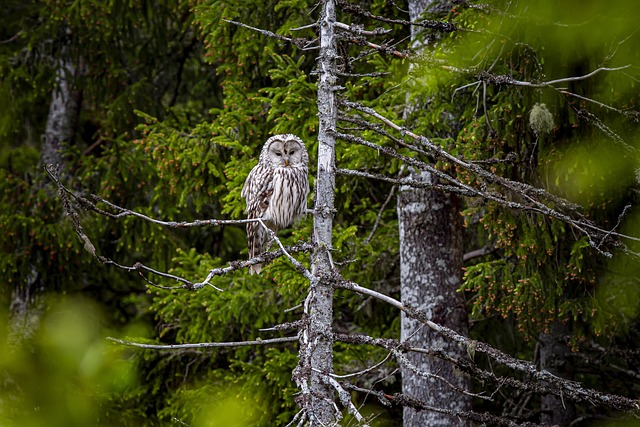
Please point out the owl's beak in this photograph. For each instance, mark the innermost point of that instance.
(286, 162)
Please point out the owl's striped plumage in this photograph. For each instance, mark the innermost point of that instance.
(276, 190)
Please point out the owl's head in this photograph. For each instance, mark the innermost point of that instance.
(284, 150)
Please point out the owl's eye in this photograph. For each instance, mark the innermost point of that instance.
(291, 152)
(278, 153)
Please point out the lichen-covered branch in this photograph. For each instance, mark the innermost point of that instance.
(559, 386)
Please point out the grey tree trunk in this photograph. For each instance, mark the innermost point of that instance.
(316, 343)
(555, 357)
(430, 274)
(63, 114)
(61, 125)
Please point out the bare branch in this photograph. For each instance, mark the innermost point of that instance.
(140, 267)
(532, 196)
(402, 360)
(121, 212)
(284, 326)
(404, 400)
(358, 30)
(561, 386)
(351, 8)
(299, 42)
(364, 371)
(379, 216)
(409, 182)
(301, 268)
(345, 399)
(229, 344)
(383, 48)
(477, 253)
(504, 79)
(464, 365)
(263, 258)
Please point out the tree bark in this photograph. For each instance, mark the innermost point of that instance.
(61, 125)
(316, 342)
(555, 357)
(430, 273)
(63, 114)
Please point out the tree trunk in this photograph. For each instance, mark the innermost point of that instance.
(63, 114)
(430, 274)
(316, 342)
(61, 125)
(555, 357)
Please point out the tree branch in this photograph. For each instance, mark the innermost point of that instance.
(228, 344)
(351, 8)
(504, 79)
(297, 41)
(533, 196)
(560, 386)
(404, 400)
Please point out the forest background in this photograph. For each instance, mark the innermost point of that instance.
(162, 107)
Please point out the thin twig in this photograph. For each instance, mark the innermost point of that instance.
(364, 371)
(402, 360)
(380, 212)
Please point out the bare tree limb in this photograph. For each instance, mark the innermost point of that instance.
(297, 41)
(345, 400)
(532, 196)
(504, 79)
(228, 344)
(358, 30)
(563, 387)
(403, 400)
(354, 9)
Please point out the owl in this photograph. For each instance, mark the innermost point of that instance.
(276, 190)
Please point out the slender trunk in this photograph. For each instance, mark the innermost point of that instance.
(316, 343)
(63, 115)
(555, 357)
(61, 125)
(430, 274)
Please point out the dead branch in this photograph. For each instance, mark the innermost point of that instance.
(359, 31)
(267, 257)
(464, 365)
(120, 212)
(380, 212)
(534, 198)
(229, 344)
(404, 400)
(560, 386)
(409, 182)
(505, 79)
(297, 41)
(444, 27)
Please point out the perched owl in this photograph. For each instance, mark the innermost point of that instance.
(276, 190)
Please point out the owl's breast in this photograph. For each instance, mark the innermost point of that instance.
(289, 198)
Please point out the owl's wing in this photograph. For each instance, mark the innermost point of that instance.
(257, 190)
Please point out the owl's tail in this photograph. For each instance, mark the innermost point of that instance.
(255, 237)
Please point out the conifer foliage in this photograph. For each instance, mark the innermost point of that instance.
(125, 265)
